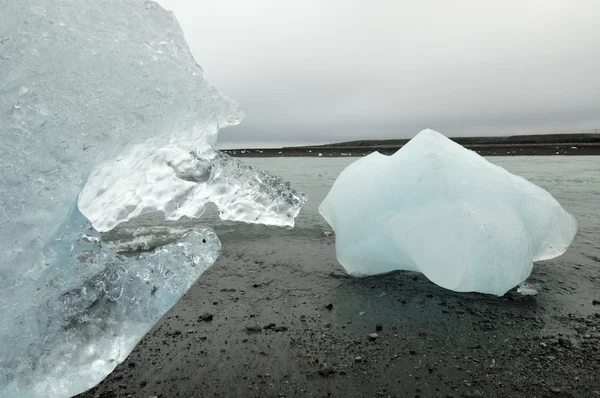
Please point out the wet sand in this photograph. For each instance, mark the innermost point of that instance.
(276, 316)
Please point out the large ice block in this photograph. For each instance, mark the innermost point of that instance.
(440, 209)
(109, 88)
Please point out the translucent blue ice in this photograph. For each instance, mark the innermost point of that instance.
(104, 95)
(442, 210)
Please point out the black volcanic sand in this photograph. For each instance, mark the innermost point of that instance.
(286, 321)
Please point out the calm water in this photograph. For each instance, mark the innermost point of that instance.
(574, 181)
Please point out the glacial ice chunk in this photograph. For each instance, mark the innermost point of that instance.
(179, 183)
(89, 308)
(109, 88)
(442, 210)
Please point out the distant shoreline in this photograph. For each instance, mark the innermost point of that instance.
(526, 145)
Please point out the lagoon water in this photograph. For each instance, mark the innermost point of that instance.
(573, 180)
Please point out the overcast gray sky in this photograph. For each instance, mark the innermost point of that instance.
(315, 71)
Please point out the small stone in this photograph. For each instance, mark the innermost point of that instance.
(372, 336)
(477, 394)
(565, 342)
(326, 371)
(555, 390)
(329, 306)
(253, 329)
(143, 383)
(361, 313)
(379, 327)
(596, 302)
(206, 317)
(597, 315)
(543, 345)
(357, 359)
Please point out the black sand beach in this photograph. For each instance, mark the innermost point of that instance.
(276, 316)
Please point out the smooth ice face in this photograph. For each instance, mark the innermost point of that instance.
(440, 209)
(111, 87)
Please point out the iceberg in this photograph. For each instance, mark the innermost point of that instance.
(105, 117)
(437, 208)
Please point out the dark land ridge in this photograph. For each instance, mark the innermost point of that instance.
(515, 145)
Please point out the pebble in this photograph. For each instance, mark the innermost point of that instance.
(596, 302)
(253, 329)
(326, 371)
(329, 306)
(565, 342)
(372, 336)
(477, 394)
(206, 317)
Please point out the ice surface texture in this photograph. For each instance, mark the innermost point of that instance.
(440, 209)
(109, 88)
(89, 308)
(180, 184)
(80, 82)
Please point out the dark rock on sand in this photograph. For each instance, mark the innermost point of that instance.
(206, 317)
(326, 371)
(253, 329)
(565, 342)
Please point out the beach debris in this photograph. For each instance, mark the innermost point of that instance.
(438, 208)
